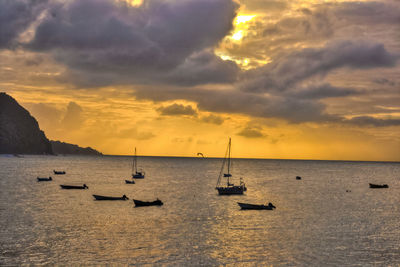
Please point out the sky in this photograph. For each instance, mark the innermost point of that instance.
(285, 79)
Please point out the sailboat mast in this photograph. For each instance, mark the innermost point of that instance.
(135, 161)
(229, 156)
(229, 159)
(133, 164)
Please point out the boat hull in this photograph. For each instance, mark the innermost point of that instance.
(231, 190)
(138, 176)
(139, 203)
(378, 186)
(247, 206)
(73, 186)
(59, 172)
(129, 181)
(44, 179)
(98, 197)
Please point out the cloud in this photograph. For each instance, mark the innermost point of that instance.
(371, 121)
(214, 119)
(73, 118)
(177, 110)
(15, 17)
(48, 116)
(251, 132)
(202, 68)
(237, 102)
(265, 5)
(304, 64)
(145, 44)
(322, 91)
(135, 134)
(369, 12)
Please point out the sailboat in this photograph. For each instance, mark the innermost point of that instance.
(230, 188)
(135, 173)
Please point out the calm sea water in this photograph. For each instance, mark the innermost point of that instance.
(316, 223)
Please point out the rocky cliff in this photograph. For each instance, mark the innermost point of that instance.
(65, 148)
(19, 131)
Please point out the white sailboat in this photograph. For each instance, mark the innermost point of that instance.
(135, 173)
(229, 188)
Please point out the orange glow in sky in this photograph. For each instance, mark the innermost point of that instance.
(283, 79)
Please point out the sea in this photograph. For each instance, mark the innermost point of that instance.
(328, 218)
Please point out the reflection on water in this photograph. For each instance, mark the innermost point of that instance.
(316, 221)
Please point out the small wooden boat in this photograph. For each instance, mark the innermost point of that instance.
(84, 186)
(298, 177)
(44, 179)
(98, 197)
(247, 206)
(139, 203)
(129, 181)
(378, 186)
(58, 172)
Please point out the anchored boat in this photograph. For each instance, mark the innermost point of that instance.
(247, 206)
(98, 197)
(378, 186)
(135, 173)
(44, 179)
(229, 188)
(84, 186)
(139, 203)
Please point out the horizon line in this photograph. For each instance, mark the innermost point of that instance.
(196, 157)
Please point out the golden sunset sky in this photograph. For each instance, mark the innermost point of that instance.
(285, 79)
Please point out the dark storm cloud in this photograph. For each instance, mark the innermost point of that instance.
(164, 48)
(233, 101)
(371, 121)
(203, 68)
(322, 91)
(311, 24)
(251, 132)
(157, 41)
(301, 65)
(177, 110)
(370, 12)
(15, 17)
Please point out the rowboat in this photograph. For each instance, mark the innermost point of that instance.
(44, 179)
(129, 181)
(378, 186)
(139, 203)
(247, 206)
(98, 197)
(84, 186)
(58, 172)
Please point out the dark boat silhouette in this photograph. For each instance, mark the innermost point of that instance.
(298, 177)
(44, 179)
(135, 173)
(378, 186)
(98, 197)
(58, 172)
(84, 186)
(230, 188)
(129, 181)
(247, 206)
(139, 203)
